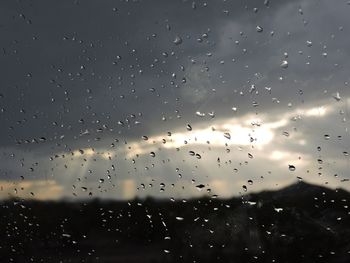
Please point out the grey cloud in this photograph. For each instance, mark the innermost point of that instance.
(60, 63)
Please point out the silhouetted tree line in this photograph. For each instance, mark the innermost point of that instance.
(301, 223)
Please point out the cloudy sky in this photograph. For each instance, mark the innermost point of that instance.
(175, 98)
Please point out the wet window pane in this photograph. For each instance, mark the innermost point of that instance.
(174, 131)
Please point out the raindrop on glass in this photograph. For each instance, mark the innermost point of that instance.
(291, 167)
(259, 29)
(284, 64)
(177, 40)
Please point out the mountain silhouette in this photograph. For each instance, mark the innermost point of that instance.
(299, 223)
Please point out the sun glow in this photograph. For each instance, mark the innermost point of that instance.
(241, 131)
(229, 131)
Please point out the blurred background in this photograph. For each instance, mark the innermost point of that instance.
(110, 107)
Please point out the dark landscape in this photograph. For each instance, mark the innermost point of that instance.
(112, 112)
(300, 223)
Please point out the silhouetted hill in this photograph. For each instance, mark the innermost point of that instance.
(300, 223)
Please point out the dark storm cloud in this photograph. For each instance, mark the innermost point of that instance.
(54, 51)
(70, 70)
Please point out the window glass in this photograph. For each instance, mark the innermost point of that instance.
(174, 131)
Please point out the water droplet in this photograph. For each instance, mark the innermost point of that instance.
(192, 153)
(177, 40)
(200, 186)
(336, 96)
(152, 154)
(284, 64)
(227, 135)
(211, 114)
(285, 133)
(291, 167)
(200, 114)
(259, 29)
(189, 127)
